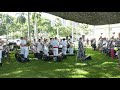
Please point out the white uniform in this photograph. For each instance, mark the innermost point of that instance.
(71, 48)
(39, 47)
(64, 47)
(24, 48)
(46, 50)
(55, 45)
(34, 47)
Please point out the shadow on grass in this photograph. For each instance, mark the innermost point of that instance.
(99, 67)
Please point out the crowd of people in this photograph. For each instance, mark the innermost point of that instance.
(111, 47)
(52, 48)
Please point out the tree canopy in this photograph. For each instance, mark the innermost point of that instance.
(17, 26)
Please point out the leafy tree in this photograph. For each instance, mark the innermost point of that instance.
(6, 23)
(84, 28)
(21, 20)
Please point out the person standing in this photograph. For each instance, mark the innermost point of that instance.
(87, 41)
(50, 44)
(55, 45)
(39, 45)
(34, 46)
(119, 57)
(94, 44)
(71, 45)
(64, 46)
(1, 48)
(24, 48)
(46, 49)
(81, 51)
(118, 52)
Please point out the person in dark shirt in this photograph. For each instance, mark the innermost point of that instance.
(81, 51)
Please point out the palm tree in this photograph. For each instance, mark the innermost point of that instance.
(7, 20)
(36, 17)
(58, 24)
(21, 20)
(28, 25)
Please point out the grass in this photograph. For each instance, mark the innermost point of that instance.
(100, 66)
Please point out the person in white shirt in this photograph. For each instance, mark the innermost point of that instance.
(1, 48)
(24, 48)
(55, 45)
(39, 46)
(71, 45)
(46, 50)
(64, 46)
(34, 46)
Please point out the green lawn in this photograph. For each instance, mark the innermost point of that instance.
(100, 66)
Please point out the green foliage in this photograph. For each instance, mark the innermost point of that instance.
(2, 29)
(6, 22)
(13, 24)
(21, 19)
(84, 28)
(37, 15)
(7, 19)
(65, 31)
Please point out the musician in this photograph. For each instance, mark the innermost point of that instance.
(34, 46)
(55, 45)
(64, 46)
(71, 45)
(50, 44)
(24, 47)
(46, 49)
(39, 46)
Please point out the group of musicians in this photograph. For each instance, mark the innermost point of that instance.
(43, 46)
(53, 44)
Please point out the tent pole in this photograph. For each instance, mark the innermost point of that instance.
(109, 30)
(72, 31)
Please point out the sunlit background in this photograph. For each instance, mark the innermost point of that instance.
(79, 29)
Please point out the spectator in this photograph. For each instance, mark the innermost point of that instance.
(1, 48)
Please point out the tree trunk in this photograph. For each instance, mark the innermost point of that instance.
(35, 28)
(22, 31)
(57, 33)
(6, 32)
(28, 26)
(13, 35)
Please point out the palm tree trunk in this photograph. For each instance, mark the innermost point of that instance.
(21, 31)
(13, 35)
(57, 33)
(28, 26)
(35, 28)
(6, 32)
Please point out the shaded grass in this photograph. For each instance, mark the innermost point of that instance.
(100, 66)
